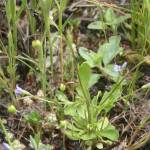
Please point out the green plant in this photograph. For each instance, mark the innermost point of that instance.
(33, 118)
(61, 5)
(110, 20)
(32, 19)
(12, 143)
(12, 39)
(41, 63)
(46, 7)
(140, 31)
(88, 120)
(5, 133)
(12, 20)
(36, 144)
(140, 27)
(103, 58)
(5, 84)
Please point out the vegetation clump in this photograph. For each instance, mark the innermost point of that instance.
(74, 75)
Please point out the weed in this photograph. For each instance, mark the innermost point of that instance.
(12, 39)
(87, 122)
(140, 26)
(103, 58)
(110, 20)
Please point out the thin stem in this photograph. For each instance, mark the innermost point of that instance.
(61, 45)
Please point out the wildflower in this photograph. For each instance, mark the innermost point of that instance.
(40, 93)
(20, 91)
(119, 68)
(5, 146)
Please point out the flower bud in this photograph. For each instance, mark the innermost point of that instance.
(11, 109)
(62, 87)
(36, 44)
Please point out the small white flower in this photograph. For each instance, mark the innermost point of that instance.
(51, 15)
(117, 68)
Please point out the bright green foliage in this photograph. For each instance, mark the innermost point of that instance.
(103, 58)
(36, 144)
(33, 118)
(97, 25)
(87, 121)
(109, 50)
(110, 20)
(85, 117)
(12, 39)
(140, 26)
(110, 98)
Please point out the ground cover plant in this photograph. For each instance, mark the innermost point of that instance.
(74, 75)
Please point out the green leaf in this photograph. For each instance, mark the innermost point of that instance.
(72, 132)
(84, 73)
(120, 20)
(110, 98)
(78, 112)
(114, 75)
(63, 4)
(45, 147)
(98, 25)
(88, 136)
(62, 97)
(33, 118)
(102, 123)
(86, 54)
(76, 108)
(111, 19)
(109, 16)
(93, 79)
(80, 94)
(109, 50)
(146, 86)
(110, 132)
(33, 143)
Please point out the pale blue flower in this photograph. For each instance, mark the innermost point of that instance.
(5, 146)
(119, 68)
(18, 90)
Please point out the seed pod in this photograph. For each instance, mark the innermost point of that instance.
(11, 109)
